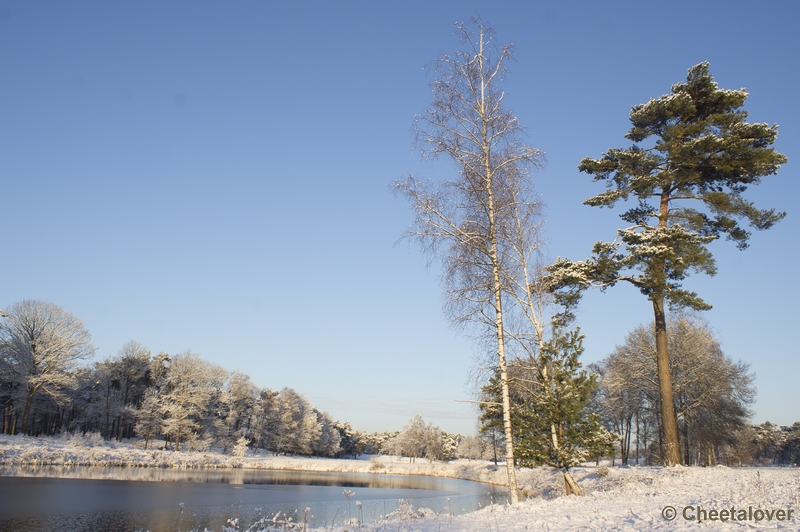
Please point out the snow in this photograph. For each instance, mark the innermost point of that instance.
(634, 499)
(616, 498)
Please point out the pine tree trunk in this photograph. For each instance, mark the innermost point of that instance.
(669, 421)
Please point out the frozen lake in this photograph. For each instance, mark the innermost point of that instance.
(95, 498)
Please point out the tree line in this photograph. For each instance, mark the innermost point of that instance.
(174, 401)
(181, 400)
(184, 402)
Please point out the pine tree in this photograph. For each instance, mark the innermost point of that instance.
(550, 414)
(704, 153)
(554, 424)
(491, 408)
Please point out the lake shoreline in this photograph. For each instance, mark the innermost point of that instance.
(23, 450)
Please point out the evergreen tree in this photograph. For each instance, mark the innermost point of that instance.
(704, 153)
(130, 373)
(553, 421)
(266, 419)
(329, 442)
(491, 417)
(348, 440)
(550, 399)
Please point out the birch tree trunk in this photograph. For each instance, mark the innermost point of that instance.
(507, 429)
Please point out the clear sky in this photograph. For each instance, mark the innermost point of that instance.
(214, 176)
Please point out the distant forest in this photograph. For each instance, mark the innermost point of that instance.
(179, 402)
(182, 402)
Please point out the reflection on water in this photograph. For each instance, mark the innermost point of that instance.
(226, 476)
(95, 498)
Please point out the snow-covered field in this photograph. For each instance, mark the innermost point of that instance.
(631, 498)
(639, 498)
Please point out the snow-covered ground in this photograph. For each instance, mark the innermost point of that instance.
(644, 498)
(631, 498)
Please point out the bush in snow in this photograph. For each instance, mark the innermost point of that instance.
(240, 449)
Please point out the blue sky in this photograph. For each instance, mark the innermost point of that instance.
(214, 176)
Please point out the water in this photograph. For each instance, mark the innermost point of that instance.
(76, 499)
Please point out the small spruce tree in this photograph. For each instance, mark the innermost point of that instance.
(550, 414)
(554, 423)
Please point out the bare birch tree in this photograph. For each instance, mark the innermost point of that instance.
(465, 222)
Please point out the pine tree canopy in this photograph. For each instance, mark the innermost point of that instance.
(693, 157)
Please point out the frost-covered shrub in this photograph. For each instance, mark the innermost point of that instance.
(195, 443)
(240, 449)
(91, 439)
(376, 465)
(74, 439)
(405, 512)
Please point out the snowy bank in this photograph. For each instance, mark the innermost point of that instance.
(94, 451)
(637, 499)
